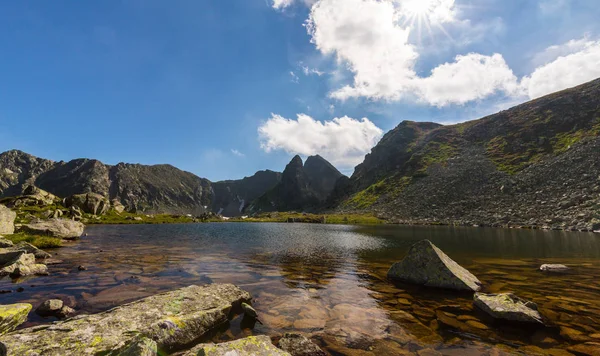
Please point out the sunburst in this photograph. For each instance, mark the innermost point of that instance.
(419, 14)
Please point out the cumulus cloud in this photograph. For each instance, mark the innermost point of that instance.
(367, 36)
(580, 65)
(470, 77)
(343, 141)
(371, 40)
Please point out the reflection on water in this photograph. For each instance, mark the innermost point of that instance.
(329, 281)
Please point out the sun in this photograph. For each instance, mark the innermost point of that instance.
(419, 8)
(426, 13)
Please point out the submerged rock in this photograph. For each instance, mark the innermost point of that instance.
(553, 268)
(7, 220)
(173, 320)
(13, 315)
(66, 229)
(427, 265)
(508, 306)
(299, 345)
(252, 345)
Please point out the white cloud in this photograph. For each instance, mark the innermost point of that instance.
(295, 78)
(237, 153)
(308, 71)
(553, 52)
(343, 141)
(565, 71)
(470, 77)
(281, 4)
(367, 36)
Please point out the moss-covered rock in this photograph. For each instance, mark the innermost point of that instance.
(427, 265)
(252, 345)
(13, 315)
(173, 320)
(508, 306)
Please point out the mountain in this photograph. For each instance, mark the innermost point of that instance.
(140, 188)
(232, 196)
(302, 186)
(537, 164)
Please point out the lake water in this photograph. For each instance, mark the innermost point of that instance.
(329, 281)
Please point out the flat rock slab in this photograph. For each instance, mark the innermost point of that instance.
(250, 346)
(509, 307)
(13, 315)
(173, 320)
(427, 265)
(62, 228)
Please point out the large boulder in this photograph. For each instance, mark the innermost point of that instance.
(7, 220)
(13, 315)
(427, 265)
(509, 307)
(116, 204)
(90, 203)
(173, 320)
(251, 345)
(299, 345)
(18, 263)
(66, 229)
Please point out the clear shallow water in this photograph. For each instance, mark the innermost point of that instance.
(329, 281)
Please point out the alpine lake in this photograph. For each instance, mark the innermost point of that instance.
(329, 282)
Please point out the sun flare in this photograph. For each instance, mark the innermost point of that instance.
(421, 14)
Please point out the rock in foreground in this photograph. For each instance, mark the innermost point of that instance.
(427, 265)
(12, 316)
(509, 307)
(62, 228)
(252, 345)
(299, 345)
(173, 320)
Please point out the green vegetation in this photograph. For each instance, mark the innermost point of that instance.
(563, 141)
(509, 160)
(37, 241)
(367, 197)
(433, 153)
(391, 187)
(358, 219)
(113, 217)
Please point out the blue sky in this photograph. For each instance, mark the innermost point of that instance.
(223, 88)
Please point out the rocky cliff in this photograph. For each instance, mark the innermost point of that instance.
(537, 164)
(302, 187)
(231, 197)
(140, 188)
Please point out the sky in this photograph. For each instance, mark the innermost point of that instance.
(223, 88)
